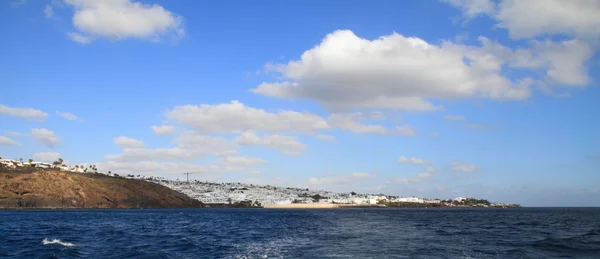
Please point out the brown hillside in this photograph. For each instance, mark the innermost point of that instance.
(55, 189)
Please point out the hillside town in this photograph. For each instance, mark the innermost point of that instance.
(58, 164)
(211, 193)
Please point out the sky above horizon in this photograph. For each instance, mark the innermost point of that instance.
(437, 99)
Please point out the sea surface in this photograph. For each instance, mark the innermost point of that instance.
(315, 233)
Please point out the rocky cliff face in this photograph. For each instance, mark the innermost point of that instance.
(55, 189)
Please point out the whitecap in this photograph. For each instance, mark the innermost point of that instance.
(56, 241)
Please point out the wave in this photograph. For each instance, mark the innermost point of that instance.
(56, 241)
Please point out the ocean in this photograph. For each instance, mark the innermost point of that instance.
(310, 233)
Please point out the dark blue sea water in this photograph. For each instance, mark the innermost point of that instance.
(333, 233)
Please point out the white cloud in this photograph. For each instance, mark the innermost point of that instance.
(66, 115)
(121, 19)
(47, 157)
(45, 136)
(578, 18)
(349, 122)
(394, 71)
(254, 172)
(377, 115)
(153, 167)
(286, 144)
(464, 167)
(574, 17)
(126, 142)
(79, 38)
(326, 137)
(6, 141)
(163, 130)
(412, 160)
(188, 146)
(434, 134)
(15, 134)
(454, 118)
(472, 8)
(426, 174)
(241, 162)
(235, 117)
(340, 180)
(405, 130)
(225, 164)
(564, 62)
(48, 11)
(24, 113)
(229, 152)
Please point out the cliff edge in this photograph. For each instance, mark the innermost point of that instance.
(55, 189)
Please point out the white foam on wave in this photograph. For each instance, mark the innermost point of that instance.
(269, 249)
(56, 241)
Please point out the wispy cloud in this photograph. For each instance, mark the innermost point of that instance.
(45, 136)
(464, 167)
(6, 141)
(24, 113)
(67, 115)
(455, 118)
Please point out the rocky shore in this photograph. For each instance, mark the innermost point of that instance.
(53, 189)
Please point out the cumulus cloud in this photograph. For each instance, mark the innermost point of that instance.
(426, 174)
(225, 164)
(24, 113)
(578, 18)
(394, 71)
(241, 162)
(67, 115)
(47, 157)
(188, 146)
(163, 130)
(286, 144)
(405, 130)
(350, 122)
(45, 136)
(454, 118)
(340, 180)
(121, 19)
(412, 160)
(235, 117)
(6, 141)
(575, 17)
(326, 137)
(564, 62)
(464, 167)
(126, 142)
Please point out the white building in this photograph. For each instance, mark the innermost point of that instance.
(409, 199)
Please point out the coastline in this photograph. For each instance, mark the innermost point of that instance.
(320, 206)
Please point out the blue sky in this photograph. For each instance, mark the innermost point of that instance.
(426, 98)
